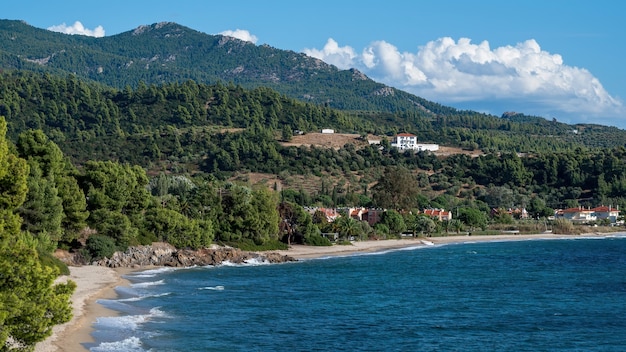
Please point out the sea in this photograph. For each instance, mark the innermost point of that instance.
(527, 295)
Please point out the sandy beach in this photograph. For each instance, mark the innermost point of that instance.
(92, 283)
(95, 282)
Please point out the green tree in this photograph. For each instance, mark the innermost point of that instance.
(181, 232)
(394, 222)
(397, 189)
(74, 205)
(347, 227)
(473, 218)
(30, 303)
(42, 212)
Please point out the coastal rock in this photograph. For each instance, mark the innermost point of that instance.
(163, 254)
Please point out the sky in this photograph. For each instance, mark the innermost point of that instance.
(559, 59)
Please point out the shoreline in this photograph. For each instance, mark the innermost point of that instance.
(98, 282)
(92, 283)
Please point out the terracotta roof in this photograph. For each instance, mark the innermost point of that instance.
(406, 135)
(576, 210)
(604, 209)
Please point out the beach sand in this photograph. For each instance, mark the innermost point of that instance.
(309, 252)
(95, 282)
(92, 283)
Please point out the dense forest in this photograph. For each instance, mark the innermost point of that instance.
(93, 169)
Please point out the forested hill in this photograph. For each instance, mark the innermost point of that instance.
(168, 52)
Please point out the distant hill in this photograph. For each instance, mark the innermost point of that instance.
(168, 52)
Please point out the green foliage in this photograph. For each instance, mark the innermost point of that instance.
(115, 187)
(393, 222)
(473, 218)
(30, 304)
(317, 240)
(49, 260)
(247, 214)
(42, 210)
(296, 224)
(397, 189)
(100, 246)
(172, 227)
(115, 225)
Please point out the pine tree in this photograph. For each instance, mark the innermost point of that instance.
(30, 303)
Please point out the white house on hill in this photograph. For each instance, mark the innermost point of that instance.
(407, 141)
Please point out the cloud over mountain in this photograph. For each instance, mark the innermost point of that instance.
(449, 71)
(241, 34)
(78, 28)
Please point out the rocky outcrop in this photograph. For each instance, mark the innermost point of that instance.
(162, 254)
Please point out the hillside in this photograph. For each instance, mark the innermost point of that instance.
(168, 52)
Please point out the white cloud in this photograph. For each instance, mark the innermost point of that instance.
(78, 28)
(449, 71)
(241, 34)
(333, 54)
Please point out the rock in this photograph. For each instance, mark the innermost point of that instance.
(163, 254)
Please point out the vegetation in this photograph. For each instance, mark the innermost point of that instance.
(154, 155)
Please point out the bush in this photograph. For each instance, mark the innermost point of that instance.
(49, 260)
(563, 227)
(317, 240)
(100, 246)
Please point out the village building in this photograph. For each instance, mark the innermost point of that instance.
(585, 215)
(439, 214)
(407, 141)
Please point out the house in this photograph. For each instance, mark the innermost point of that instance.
(372, 216)
(330, 214)
(604, 212)
(576, 215)
(328, 131)
(407, 141)
(356, 213)
(440, 214)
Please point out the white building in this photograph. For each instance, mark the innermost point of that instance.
(407, 141)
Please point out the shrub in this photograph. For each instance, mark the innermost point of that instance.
(47, 259)
(101, 246)
(563, 226)
(317, 240)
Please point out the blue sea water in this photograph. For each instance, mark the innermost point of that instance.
(537, 295)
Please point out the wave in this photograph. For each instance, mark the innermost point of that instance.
(249, 262)
(131, 344)
(128, 322)
(151, 272)
(147, 284)
(139, 298)
(214, 288)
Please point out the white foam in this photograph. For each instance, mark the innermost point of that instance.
(128, 322)
(214, 288)
(131, 344)
(148, 284)
(249, 262)
(139, 298)
(152, 272)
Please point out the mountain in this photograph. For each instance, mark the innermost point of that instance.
(168, 52)
(164, 53)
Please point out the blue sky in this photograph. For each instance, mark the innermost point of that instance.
(553, 58)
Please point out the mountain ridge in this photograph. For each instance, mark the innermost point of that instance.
(169, 52)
